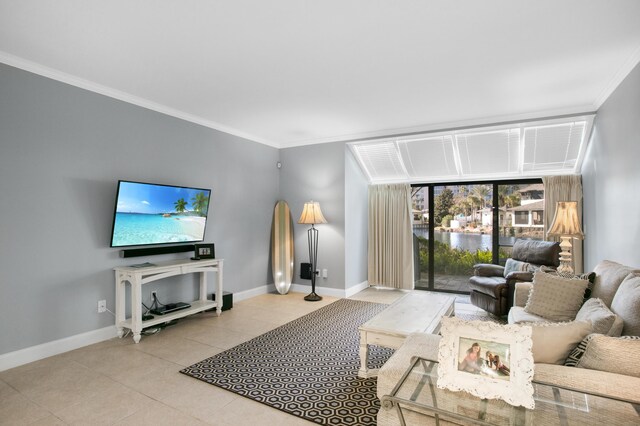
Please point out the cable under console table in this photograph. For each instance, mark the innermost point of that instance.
(139, 275)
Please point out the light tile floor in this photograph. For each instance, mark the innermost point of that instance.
(117, 382)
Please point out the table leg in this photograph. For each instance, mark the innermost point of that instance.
(219, 298)
(120, 308)
(136, 308)
(203, 286)
(364, 356)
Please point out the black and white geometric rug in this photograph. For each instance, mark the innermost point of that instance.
(307, 367)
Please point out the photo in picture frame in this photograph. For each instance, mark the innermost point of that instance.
(487, 360)
(204, 251)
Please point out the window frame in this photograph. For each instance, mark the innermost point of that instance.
(495, 238)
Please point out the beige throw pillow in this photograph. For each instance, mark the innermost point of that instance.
(626, 304)
(609, 276)
(612, 354)
(552, 343)
(554, 297)
(601, 317)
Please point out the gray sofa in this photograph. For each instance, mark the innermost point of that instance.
(609, 277)
(617, 286)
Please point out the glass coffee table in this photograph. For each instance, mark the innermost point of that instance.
(416, 396)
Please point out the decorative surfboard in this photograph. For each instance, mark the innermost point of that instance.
(282, 247)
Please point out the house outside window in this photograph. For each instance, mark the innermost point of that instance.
(537, 218)
(521, 219)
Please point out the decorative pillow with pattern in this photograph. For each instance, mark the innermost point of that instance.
(578, 351)
(554, 297)
(605, 353)
(513, 265)
(589, 276)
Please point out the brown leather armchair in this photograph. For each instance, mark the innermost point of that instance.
(492, 291)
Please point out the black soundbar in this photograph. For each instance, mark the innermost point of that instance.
(150, 251)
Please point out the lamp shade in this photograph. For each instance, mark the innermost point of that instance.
(311, 214)
(566, 221)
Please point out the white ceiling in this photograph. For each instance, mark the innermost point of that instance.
(295, 72)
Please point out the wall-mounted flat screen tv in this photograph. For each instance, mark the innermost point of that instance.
(148, 213)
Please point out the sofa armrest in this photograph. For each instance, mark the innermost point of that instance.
(521, 293)
(423, 345)
(488, 270)
(610, 385)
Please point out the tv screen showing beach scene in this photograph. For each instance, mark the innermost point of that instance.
(147, 214)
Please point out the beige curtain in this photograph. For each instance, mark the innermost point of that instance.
(390, 236)
(563, 188)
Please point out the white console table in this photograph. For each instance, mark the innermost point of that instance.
(138, 276)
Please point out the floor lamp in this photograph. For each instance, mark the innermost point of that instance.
(311, 215)
(566, 225)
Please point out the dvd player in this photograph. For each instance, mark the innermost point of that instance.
(170, 307)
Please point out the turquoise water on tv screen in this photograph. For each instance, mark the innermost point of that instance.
(140, 229)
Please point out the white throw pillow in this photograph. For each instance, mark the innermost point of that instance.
(626, 304)
(554, 297)
(552, 343)
(609, 276)
(601, 317)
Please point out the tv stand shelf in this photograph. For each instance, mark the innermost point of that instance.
(138, 276)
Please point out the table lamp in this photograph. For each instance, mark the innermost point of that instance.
(311, 215)
(566, 225)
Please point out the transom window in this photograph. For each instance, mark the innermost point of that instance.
(529, 149)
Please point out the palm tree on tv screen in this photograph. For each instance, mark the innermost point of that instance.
(180, 205)
(200, 203)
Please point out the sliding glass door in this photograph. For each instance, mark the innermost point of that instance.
(421, 226)
(521, 215)
(459, 225)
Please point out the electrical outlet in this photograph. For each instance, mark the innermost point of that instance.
(102, 306)
(154, 295)
(324, 273)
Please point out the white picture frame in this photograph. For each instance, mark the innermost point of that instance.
(508, 378)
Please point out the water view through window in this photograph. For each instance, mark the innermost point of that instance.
(461, 219)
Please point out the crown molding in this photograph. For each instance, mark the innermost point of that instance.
(617, 79)
(63, 77)
(449, 126)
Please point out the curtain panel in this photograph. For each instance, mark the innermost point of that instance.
(390, 246)
(563, 188)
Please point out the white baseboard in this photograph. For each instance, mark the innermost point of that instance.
(55, 347)
(45, 350)
(257, 291)
(356, 288)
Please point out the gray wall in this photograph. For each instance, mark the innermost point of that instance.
(611, 179)
(62, 150)
(355, 221)
(317, 172)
